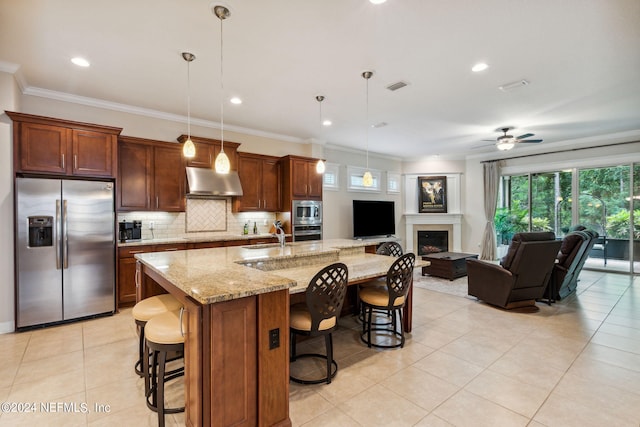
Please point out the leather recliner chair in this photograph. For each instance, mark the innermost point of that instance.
(573, 253)
(522, 275)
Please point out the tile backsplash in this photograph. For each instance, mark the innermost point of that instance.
(200, 220)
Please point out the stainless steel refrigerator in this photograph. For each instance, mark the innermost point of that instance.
(65, 250)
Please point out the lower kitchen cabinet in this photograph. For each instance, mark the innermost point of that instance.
(126, 289)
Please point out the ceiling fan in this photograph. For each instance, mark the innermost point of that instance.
(507, 142)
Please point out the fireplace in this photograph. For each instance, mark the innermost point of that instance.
(434, 222)
(432, 241)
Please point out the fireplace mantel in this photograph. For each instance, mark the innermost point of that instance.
(413, 222)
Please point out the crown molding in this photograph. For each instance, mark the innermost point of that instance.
(147, 112)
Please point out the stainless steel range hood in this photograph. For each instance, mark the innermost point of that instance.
(206, 183)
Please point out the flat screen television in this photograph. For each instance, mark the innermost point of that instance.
(373, 218)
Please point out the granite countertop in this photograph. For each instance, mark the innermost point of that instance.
(222, 274)
(196, 239)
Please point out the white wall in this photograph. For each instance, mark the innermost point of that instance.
(9, 100)
(337, 214)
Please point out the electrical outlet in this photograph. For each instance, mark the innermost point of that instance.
(274, 338)
(151, 225)
(264, 222)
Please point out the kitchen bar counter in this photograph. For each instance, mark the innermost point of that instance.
(236, 308)
(222, 274)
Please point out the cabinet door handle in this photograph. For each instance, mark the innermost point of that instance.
(170, 249)
(135, 252)
(137, 278)
(259, 203)
(265, 204)
(157, 201)
(62, 155)
(181, 313)
(75, 162)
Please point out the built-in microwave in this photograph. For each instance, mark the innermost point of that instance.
(306, 212)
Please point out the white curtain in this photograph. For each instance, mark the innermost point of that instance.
(491, 181)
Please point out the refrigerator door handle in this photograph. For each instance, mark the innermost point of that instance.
(58, 233)
(65, 241)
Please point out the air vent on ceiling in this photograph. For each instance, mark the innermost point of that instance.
(513, 85)
(379, 125)
(396, 86)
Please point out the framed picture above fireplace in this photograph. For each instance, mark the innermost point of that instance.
(433, 194)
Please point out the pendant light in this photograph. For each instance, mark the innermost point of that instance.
(188, 149)
(320, 166)
(367, 178)
(222, 164)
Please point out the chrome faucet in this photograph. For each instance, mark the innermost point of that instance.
(279, 233)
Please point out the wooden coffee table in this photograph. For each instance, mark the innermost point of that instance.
(449, 265)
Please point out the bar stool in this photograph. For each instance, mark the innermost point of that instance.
(164, 335)
(145, 310)
(390, 298)
(392, 249)
(319, 316)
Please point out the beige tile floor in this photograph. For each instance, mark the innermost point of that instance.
(576, 363)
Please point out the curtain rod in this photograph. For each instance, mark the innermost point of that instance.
(559, 151)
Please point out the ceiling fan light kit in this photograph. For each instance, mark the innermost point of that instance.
(507, 142)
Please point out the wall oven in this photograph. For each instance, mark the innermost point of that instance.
(306, 216)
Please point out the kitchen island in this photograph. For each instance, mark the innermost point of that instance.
(236, 303)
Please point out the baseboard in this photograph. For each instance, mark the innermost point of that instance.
(7, 327)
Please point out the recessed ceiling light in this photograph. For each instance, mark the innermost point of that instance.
(236, 100)
(327, 123)
(377, 1)
(80, 62)
(480, 66)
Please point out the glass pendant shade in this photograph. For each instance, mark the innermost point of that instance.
(320, 168)
(504, 146)
(223, 165)
(367, 179)
(189, 149)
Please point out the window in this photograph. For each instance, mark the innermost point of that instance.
(331, 178)
(599, 199)
(354, 179)
(393, 182)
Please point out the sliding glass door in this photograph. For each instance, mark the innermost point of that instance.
(605, 200)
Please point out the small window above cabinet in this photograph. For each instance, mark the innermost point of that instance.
(207, 149)
(62, 147)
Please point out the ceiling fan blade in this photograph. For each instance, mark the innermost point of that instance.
(526, 135)
(530, 140)
(488, 140)
(481, 146)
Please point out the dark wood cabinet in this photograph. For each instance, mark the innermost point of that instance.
(261, 183)
(300, 180)
(127, 273)
(151, 176)
(62, 147)
(127, 269)
(207, 149)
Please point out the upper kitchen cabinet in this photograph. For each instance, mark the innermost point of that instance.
(260, 178)
(207, 149)
(151, 176)
(62, 147)
(300, 179)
